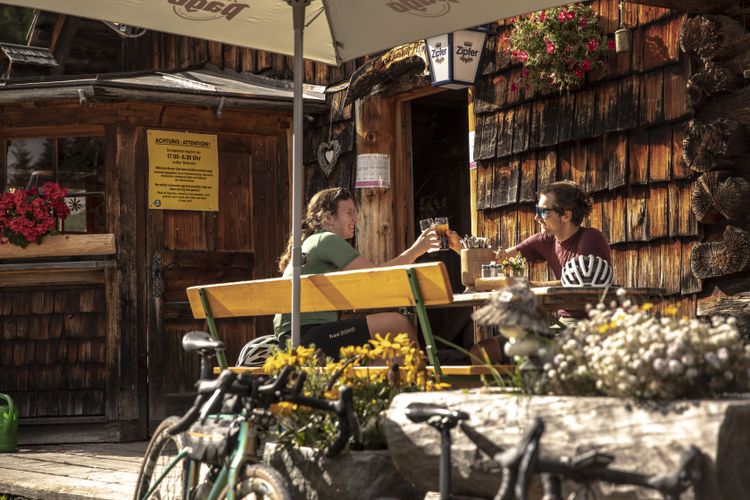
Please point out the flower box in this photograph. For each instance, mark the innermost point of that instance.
(62, 245)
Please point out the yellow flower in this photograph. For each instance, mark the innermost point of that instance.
(603, 329)
(670, 310)
(647, 306)
(282, 409)
(385, 348)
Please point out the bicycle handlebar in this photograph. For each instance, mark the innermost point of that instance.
(212, 392)
(344, 410)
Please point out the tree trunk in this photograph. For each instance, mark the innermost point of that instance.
(712, 37)
(719, 258)
(707, 146)
(713, 79)
(716, 194)
(648, 437)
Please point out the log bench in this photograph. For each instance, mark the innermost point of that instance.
(415, 286)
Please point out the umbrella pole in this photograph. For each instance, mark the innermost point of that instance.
(298, 13)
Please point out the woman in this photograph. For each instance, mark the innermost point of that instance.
(329, 222)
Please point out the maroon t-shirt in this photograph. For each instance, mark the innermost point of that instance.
(543, 247)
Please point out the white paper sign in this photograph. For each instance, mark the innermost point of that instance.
(373, 171)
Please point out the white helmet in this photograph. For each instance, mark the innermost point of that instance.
(257, 350)
(587, 270)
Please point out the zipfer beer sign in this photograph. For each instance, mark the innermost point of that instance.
(207, 10)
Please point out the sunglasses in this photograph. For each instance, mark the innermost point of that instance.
(543, 211)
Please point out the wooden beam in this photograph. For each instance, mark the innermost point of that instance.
(728, 7)
(63, 245)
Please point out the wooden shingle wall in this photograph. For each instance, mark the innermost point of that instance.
(52, 352)
(619, 136)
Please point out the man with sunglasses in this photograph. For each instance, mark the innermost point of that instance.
(561, 208)
(560, 211)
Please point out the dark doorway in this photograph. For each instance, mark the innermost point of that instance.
(440, 159)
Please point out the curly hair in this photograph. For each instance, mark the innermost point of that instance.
(569, 196)
(323, 203)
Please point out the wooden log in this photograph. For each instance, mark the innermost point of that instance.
(388, 68)
(712, 37)
(717, 194)
(63, 245)
(648, 438)
(712, 80)
(736, 306)
(707, 146)
(719, 258)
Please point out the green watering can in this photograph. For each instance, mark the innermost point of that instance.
(8, 424)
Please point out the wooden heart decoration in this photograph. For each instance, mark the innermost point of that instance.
(328, 155)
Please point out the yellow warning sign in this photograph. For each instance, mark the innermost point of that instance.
(183, 171)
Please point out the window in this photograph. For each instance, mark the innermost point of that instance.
(76, 163)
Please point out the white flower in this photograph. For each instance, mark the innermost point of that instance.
(691, 373)
(660, 365)
(722, 354)
(675, 367)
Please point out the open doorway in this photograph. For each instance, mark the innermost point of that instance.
(440, 179)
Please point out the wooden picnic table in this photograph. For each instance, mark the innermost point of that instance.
(553, 298)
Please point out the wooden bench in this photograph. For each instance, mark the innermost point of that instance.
(416, 286)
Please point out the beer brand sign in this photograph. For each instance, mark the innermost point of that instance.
(207, 10)
(422, 8)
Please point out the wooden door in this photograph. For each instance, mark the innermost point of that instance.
(239, 242)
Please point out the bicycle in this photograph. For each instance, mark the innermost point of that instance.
(521, 462)
(222, 430)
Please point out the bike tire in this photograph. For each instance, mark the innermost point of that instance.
(160, 451)
(259, 481)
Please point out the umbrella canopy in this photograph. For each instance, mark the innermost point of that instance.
(337, 31)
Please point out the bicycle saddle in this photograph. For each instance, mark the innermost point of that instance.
(201, 341)
(423, 412)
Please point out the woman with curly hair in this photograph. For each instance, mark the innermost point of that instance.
(329, 222)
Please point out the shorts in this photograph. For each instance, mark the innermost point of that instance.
(330, 337)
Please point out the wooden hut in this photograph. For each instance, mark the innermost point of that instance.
(656, 135)
(91, 336)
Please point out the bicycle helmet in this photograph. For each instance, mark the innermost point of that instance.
(257, 350)
(587, 270)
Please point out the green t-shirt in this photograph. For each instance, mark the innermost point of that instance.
(326, 253)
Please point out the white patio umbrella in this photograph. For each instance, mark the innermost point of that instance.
(337, 31)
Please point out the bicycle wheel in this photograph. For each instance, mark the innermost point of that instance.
(258, 481)
(161, 450)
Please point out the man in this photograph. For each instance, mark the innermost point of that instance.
(561, 208)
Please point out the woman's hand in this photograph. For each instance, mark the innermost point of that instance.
(428, 240)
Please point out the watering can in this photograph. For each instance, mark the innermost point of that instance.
(8, 424)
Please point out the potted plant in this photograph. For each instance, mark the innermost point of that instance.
(557, 47)
(28, 215)
(304, 431)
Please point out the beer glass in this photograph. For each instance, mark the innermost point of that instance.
(441, 227)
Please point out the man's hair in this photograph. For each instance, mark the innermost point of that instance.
(569, 196)
(323, 203)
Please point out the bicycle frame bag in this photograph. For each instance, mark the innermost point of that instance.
(210, 441)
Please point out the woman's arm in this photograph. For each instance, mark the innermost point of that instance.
(427, 240)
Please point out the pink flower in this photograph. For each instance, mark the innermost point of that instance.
(550, 47)
(562, 17)
(542, 16)
(513, 87)
(524, 72)
(585, 65)
(610, 44)
(593, 44)
(570, 15)
(583, 22)
(512, 20)
(579, 73)
(568, 49)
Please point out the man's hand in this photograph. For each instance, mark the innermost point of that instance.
(500, 254)
(454, 241)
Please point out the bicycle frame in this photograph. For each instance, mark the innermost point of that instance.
(227, 474)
